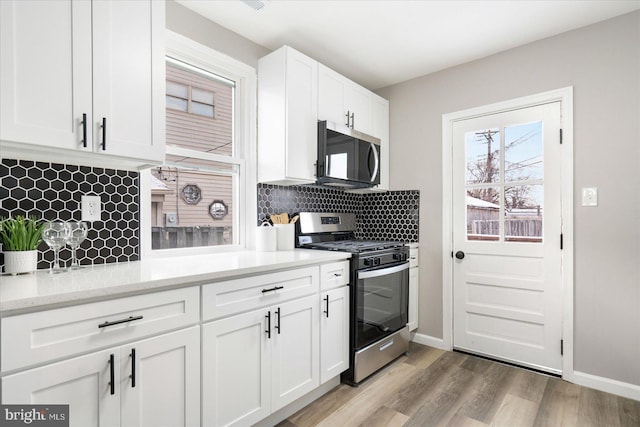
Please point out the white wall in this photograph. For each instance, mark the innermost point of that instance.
(602, 63)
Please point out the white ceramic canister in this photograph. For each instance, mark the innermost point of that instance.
(286, 236)
(266, 238)
(20, 262)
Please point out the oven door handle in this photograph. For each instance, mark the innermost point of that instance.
(383, 271)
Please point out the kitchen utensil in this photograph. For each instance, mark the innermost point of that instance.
(294, 219)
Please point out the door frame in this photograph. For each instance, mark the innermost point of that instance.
(565, 97)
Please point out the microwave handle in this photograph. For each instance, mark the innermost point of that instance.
(376, 167)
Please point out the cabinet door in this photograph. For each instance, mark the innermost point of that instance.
(128, 78)
(359, 101)
(236, 370)
(414, 279)
(331, 95)
(301, 116)
(82, 383)
(45, 72)
(334, 333)
(295, 362)
(161, 380)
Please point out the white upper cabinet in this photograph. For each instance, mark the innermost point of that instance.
(287, 117)
(340, 100)
(80, 78)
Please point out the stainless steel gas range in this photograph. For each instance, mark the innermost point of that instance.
(379, 290)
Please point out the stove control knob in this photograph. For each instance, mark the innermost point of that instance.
(397, 257)
(377, 261)
(367, 261)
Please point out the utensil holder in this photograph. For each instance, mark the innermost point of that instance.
(266, 239)
(286, 236)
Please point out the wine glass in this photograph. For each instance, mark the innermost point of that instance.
(77, 234)
(55, 235)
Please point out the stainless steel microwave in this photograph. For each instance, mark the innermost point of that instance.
(347, 158)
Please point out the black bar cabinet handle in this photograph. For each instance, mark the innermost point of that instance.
(84, 130)
(278, 319)
(117, 322)
(327, 311)
(133, 367)
(268, 331)
(352, 120)
(347, 115)
(112, 374)
(275, 288)
(104, 133)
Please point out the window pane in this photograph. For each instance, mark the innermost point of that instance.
(192, 204)
(483, 156)
(483, 213)
(202, 109)
(523, 152)
(200, 131)
(177, 103)
(179, 90)
(523, 213)
(202, 96)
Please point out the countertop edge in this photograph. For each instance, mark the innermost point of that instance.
(45, 302)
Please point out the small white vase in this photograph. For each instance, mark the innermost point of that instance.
(16, 262)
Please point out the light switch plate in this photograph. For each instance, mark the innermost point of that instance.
(590, 196)
(91, 208)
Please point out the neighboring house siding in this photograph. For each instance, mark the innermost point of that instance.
(193, 131)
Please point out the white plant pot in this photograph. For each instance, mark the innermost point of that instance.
(16, 262)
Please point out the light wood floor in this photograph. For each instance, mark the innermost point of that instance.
(432, 387)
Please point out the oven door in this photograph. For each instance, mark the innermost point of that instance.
(381, 303)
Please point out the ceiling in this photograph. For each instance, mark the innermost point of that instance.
(379, 43)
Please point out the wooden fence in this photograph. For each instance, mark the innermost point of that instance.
(517, 227)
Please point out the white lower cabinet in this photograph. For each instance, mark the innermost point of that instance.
(257, 362)
(334, 333)
(153, 382)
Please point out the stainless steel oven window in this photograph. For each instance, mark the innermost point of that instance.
(381, 303)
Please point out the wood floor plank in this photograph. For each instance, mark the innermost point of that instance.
(528, 385)
(371, 398)
(559, 405)
(426, 383)
(385, 417)
(629, 412)
(597, 408)
(515, 411)
(422, 356)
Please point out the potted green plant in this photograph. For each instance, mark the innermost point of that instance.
(20, 238)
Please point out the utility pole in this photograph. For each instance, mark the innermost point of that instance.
(488, 136)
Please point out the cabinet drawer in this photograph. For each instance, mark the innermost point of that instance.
(413, 257)
(334, 275)
(234, 296)
(34, 338)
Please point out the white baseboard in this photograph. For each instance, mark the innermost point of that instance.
(427, 340)
(630, 391)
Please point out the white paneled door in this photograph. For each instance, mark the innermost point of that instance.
(507, 278)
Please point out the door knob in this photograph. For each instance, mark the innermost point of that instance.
(460, 255)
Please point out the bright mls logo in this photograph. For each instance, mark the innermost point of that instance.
(35, 415)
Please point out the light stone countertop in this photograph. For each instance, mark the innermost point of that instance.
(42, 290)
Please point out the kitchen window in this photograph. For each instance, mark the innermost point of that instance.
(203, 196)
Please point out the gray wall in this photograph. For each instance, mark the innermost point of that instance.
(602, 63)
(188, 23)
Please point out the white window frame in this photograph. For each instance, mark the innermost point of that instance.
(245, 76)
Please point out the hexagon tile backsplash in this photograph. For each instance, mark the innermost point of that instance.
(53, 191)
(393, 215)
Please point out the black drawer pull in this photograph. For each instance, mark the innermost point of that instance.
(117, 322)
(275, 288)
(112, 375)
(327, 311)
(278, 318)
(104, 133)
(84, 130)
(133, 367)
(268, 331)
